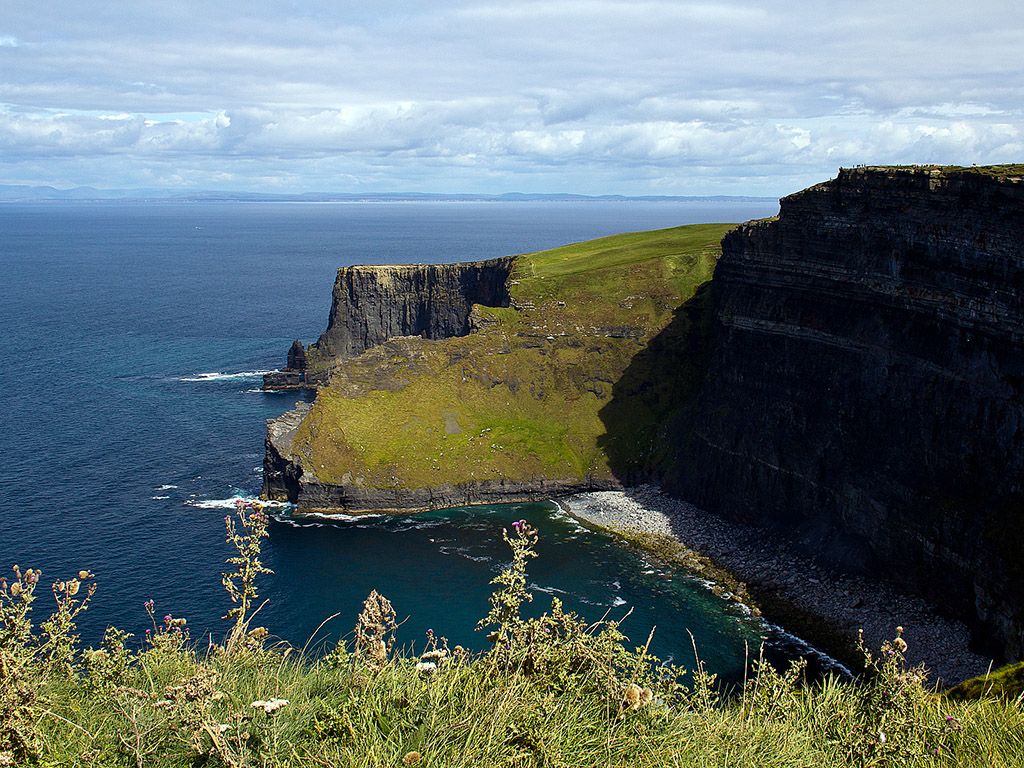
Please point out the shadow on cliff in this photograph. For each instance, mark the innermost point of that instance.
(652, 403)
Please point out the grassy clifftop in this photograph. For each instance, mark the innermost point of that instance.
(521, 397)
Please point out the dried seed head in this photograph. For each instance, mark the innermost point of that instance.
(83, 575)
(72, 587)
(411, 758)
(16, 588)
(632, 695)
(646, 696)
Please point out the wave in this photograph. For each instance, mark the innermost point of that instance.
(546, 590)
(465, 552)
(221, 376)
(166, 487)
(230, 503)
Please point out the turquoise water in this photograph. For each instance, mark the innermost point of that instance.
(133, 336)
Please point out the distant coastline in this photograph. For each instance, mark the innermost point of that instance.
(31, 194)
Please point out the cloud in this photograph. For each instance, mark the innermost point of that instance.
(585, 94)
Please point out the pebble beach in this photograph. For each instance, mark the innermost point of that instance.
(753, 555)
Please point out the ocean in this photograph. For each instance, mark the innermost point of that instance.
(133, 337)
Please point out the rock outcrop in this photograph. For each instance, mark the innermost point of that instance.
(865, 386)
(371, 304)
(293, 375)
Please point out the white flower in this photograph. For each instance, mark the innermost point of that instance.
(426, 667)
(271, 706)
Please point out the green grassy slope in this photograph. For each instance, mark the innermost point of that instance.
(521, 397)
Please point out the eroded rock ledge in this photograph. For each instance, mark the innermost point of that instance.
(371, 304)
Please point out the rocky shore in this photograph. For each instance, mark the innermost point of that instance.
(768, 565)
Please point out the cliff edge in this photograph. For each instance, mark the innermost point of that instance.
(371, 304)
(864, 389)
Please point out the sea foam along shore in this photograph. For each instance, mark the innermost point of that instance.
(764, 561)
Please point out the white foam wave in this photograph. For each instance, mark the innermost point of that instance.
(157, 498)
(166, 487)
(331, 517)
(221, 376)
(547, 590)
(617, 602)
(463, 552)
(230, 503)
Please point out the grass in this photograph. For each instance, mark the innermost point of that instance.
(552, 691)
(1004, 171)
(521, 398)
(1005, 683)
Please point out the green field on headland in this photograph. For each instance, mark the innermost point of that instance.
(526, 395)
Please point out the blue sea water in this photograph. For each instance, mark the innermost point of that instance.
(132, 339)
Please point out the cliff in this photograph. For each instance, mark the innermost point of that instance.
(477, 383)
(371, 304)
(864, 389)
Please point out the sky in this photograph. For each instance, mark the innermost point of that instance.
(632, 97)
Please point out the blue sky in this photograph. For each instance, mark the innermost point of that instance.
(586, 96)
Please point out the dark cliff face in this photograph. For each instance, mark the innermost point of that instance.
(865, 387)
(371, 304)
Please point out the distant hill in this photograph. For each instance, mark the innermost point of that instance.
(24, 193)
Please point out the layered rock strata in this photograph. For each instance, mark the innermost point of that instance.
(371, 304)
(865, 388)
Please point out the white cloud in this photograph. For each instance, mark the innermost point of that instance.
(592, 95)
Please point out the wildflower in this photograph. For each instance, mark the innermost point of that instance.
(636, 697)
(435, 655)
(881, 737)
(411, 758)
(148, 605)
(632, 695)
(426, 667)
(271, 706)
(899, 643)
